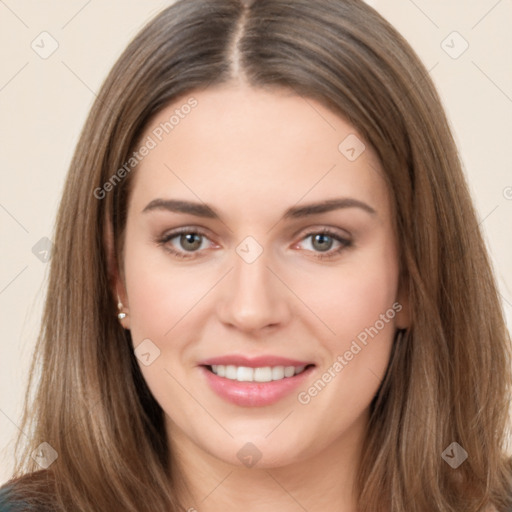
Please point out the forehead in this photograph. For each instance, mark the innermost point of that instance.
(240, 146)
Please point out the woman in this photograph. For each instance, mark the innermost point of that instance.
(269, 288)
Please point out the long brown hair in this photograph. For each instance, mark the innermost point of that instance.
(449, 377)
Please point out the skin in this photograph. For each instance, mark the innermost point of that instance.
(251, 154)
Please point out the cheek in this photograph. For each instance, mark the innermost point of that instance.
(362, 301)
(159, 299)
(159, 295)
(361, 309)
(356, 294)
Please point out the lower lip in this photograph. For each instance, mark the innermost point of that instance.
(254, 394)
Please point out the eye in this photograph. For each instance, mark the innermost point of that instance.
(321, 243)
(184, 243)
(189, 242)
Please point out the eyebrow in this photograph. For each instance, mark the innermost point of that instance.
(295, 212)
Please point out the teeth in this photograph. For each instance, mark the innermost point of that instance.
(278, 372)
(263, 374)
(231, 372)
(244, 374)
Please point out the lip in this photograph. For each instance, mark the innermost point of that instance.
(254, 394)
(254, 362)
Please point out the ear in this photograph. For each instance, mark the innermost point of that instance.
(403, 315)
(115, 279)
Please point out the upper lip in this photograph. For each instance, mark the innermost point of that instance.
(253, 362)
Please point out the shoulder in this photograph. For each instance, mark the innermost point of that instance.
(10, 500)
(6, 504)
(26, 493)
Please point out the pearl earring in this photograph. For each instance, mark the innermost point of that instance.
(120, 315)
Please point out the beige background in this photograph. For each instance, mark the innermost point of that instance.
(44, 101)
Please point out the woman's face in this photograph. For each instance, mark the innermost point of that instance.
(259, 245)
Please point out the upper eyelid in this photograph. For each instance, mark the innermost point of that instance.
(305, 231)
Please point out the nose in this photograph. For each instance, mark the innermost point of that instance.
(252, 298)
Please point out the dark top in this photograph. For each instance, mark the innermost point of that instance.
(4, 505)
(7, 506)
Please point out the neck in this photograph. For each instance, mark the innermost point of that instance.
(323, 481)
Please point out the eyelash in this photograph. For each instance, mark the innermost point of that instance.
(163, 241)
